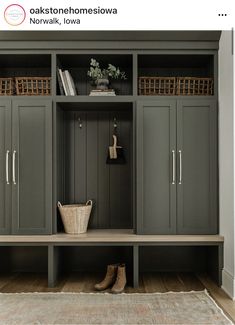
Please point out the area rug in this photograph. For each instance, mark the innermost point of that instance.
(195, 307)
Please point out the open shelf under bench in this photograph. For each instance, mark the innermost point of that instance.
(123, 237)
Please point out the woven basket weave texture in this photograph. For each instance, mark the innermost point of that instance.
(75, 217)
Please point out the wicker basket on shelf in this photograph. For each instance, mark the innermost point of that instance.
(33, 86)
(149, 86)
(75, 217)
(194, 86)
(6, 86)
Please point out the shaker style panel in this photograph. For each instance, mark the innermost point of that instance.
(196, 167)
(32, 166)
(5, 166)
(177, 167)
(156, 171)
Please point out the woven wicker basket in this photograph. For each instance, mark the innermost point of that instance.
(33, 86)
(152, 86)
(6, 86)
(170, 86)
(187, 86)
(75, 217)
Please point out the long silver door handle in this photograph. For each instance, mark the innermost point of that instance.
(180, 167)
(14, 167)
(7, 167)
(173, 167)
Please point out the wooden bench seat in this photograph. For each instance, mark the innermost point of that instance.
(110, 236)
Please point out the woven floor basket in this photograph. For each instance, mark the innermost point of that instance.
(75, 217)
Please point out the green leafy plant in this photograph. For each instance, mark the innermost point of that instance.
(96, 72)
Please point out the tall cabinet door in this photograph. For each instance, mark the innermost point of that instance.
(5, 165)
(156, 154)
(32, 166)
(197, 167)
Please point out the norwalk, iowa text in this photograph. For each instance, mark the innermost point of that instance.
(54, 21)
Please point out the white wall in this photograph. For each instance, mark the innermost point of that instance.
(226, 160)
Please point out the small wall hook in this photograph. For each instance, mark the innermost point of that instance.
(80, 122)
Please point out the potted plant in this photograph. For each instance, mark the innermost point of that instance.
(101, 76)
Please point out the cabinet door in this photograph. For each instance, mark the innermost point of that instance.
(32, 166)
(197, 191)
(156, 190)
(5, 165)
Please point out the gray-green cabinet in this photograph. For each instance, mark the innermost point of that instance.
(156, 143)
(5, 163)
(197, 161)
(177, 167)
(29, 166)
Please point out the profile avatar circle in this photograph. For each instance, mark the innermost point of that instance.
(14, 14)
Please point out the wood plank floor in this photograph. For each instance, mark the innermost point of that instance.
(149, 282)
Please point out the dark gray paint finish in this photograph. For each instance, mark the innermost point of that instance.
(184, 261)
(26, 62)
(104, 170)
(120, 176)
(156, 195)
(162, 35)
(167, 40)
(79, 64)
(67, 155)
(107, 45)
(191, 205)
(87, 176)
(53, 265)
(32, 141)
(197, 139)
(215, 263)
(58, 165)
(28, 258)
(92, 153)
(210, 255)
(180, 65)
(135, 266)
(5, 145)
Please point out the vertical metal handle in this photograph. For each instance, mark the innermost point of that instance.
(173, 167)
(13, 167)
(7, 167)
(180, 167)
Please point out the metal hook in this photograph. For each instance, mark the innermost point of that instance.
(80, 122)
(115, 123)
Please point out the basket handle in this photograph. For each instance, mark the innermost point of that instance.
(89, 202)
(59, 204)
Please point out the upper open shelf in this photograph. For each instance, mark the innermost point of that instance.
(175, 65)
(25, 65)
(79, 64)
(175, 74)
(25, 74)
(161, 74)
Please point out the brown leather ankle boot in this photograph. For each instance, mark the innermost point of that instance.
(109, 279)
(120, 283)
